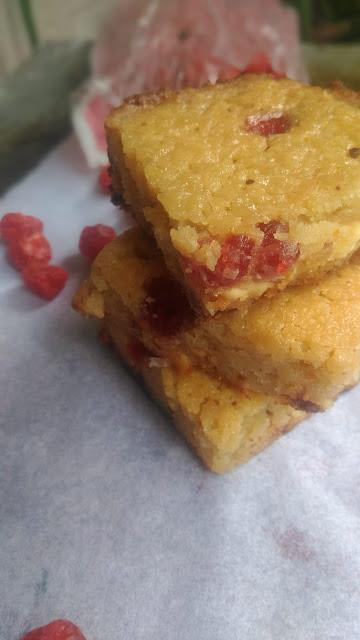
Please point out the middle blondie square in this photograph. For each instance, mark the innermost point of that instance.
(302, 345)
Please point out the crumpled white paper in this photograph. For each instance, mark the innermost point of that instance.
(147, 45)
(108, 519)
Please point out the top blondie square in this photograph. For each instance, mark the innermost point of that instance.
(248, 186)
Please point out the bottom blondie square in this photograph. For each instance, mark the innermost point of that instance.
(302, 345)
(224, 426)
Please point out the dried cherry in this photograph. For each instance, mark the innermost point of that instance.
(16, 225)
(105, 179)
(274, 257)
(45, 280)
(232, 265)
(241, 257)
(94, 239)
(268, 124)
(27, 248)
(56, 630)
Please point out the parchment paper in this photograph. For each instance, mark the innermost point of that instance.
(108, 519)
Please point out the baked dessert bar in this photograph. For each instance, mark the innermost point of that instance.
(302, 345)
(248, 186)
(225, 426)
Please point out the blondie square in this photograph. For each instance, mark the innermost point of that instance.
(225, 426)
(248, 186)
(302, 345)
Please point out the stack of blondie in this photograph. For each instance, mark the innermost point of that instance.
(237, 296)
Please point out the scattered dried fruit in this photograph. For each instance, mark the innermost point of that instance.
(234, 259)
(25, 248)
(166, 308)
(105, 179)
(268, 124)
(56, 630)
(93, 239)
(30, 252)
(15, 225)
(45, 280)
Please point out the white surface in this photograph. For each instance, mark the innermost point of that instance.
(106, 518)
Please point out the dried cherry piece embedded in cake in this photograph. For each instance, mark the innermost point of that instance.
(232, 265)
(16, 225)
(45, 280)
(27, 248)
(94, 239)
(240, 257)
(274, 257)
(56, 630)
(268, 124)
(165, 308)
(105, 179)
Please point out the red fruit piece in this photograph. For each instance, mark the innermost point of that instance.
(105, 179)
(274, 257)
(56, 630)
(268, 124)
(26, 248)
(166, 308)
(14, 225)
(234, 260)
(260, 63)
(45, 280)
(232, 265)
(93, 239)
